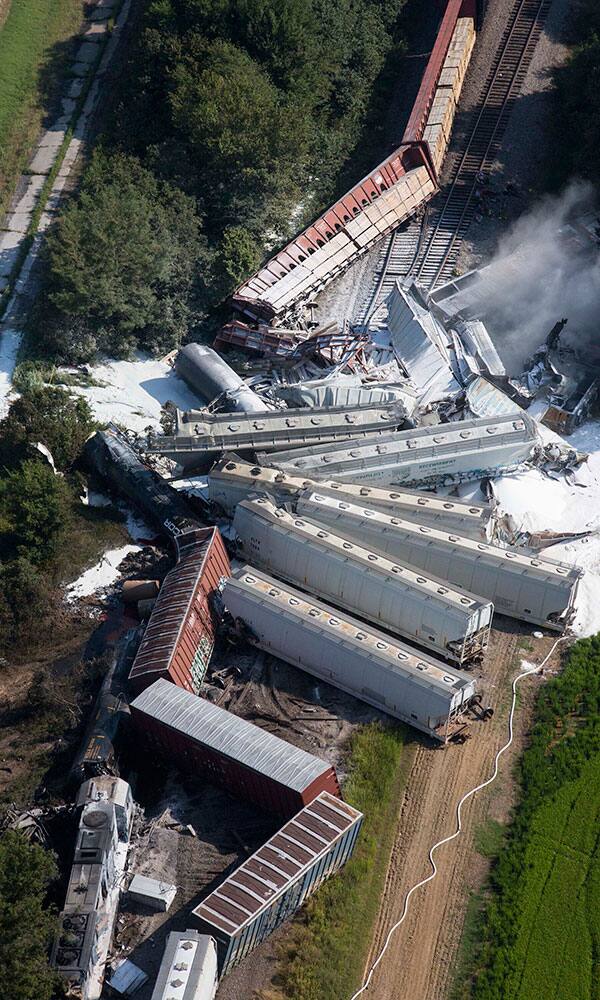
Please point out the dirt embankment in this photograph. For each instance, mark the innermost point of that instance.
(418, 964)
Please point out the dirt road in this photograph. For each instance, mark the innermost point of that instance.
(418, 964)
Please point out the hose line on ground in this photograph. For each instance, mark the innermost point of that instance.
(453, 836)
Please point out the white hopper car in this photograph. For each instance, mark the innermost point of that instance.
(427, 611)
(344, 652)
(230, 482)
(438, 455)
(200, 436)
(528, 587)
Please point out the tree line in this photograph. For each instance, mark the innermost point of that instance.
(231, 121)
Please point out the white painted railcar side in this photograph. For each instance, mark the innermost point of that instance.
(348, 654)
(530, 588)
(399, 598)
(439, 455)
(230, 482)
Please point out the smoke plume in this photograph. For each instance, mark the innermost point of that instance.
(541, 273)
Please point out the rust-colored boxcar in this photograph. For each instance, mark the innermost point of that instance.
(270, 886)
(180, 635)
(237, 755)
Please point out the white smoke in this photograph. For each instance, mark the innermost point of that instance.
(540, 273)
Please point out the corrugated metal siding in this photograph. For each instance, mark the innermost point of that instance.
(347, 653)
(395, 596)
(179, 638)
(530, 588)
(234, 753)
(267, 888)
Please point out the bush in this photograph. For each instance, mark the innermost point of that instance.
(46, 414)
(36, 508)
(26, 927)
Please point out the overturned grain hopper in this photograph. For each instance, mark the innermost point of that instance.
(425, 610)
(272, 884)
(231, 481)
(200, 437)
(348, 654)
(233, 753)
(530, 588)
(435, 456)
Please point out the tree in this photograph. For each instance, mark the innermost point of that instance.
(238, 257)
(27, 602)
(125, 257)
(36, 507)
(26, 926)
(50, 415)
(236, 124)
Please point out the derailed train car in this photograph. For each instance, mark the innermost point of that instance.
(231, 481)
(391, 193)
(200, 437)
(109, 454)
(270, 886)
(526, 587)
(434, 456)
(425, 610)
(231, 752)
(180, 635)
(344, 652)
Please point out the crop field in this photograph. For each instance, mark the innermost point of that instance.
(558, 934)
(541, 927)
(36, 41)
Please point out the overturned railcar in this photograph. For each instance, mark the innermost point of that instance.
(272, 884)
(231, 481)
(425, 610)
(530, 588)
(199, 437)
(180, 635)
(109, 454)
(233, 753)
(352, 656)
(435, 456)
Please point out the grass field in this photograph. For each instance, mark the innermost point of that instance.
(326, 950)
(36, 43)
(540, 929)
(558, 933)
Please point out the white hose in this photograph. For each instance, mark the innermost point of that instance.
(465, 798)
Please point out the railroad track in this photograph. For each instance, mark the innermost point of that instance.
(427, 250)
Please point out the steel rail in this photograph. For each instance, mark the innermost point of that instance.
(510, 66)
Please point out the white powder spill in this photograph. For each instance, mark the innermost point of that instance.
(132, 393)
(569, 503)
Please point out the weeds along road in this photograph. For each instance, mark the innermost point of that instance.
(419, 962)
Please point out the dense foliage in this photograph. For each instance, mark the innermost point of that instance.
(232, 116)
(577, 103)
(26, 927)
(546, 880)
(124, 260)
(36, 504)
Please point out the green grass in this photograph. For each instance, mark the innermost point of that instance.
(325, 953)
(540, 930)
(560, 917)
(489, 838)
(35, 48)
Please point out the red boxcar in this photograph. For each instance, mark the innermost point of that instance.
(180, 635)
(214, 744)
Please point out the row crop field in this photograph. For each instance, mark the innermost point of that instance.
(541, 932)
